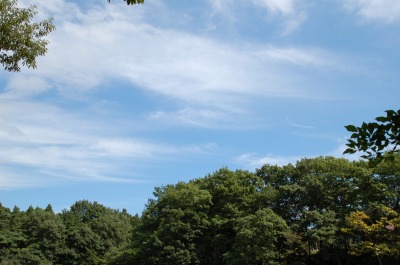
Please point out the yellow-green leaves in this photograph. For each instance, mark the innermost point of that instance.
(374, 233)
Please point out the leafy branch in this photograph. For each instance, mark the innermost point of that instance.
(378, 140)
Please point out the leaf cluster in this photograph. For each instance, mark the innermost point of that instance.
(22, 40)
(376, 139)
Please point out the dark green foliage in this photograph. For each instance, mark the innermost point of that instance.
(376, 139)
(94, 232)
(45, 232)
(259, 239)
(279, 215)
(307, 213)
(88, 233)
(173, 225)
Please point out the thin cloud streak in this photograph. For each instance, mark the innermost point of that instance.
(285, 7)
(56, 147)
(290, 13)
(254, 160)
(179, 65)
(214, 82)
(206, 118)
(386, 11)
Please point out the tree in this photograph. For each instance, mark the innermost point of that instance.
(376, 139)
(131, 2)
(233, 195)
(374, 232)
(45, 232)
(21, 39)
(387, 174)
(259, 239)
(94, 232)
(173, 225)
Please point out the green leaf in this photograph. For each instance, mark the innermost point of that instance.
(381, 119)
(349, 151)
(351, 128)
(390, 113)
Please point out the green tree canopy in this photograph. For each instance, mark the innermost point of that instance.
(21, 40)
(258, 239)
(322, 210)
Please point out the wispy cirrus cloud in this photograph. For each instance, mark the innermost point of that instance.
(254, 160)
(385, 11)
(289, 13)
(292, 12)
(212, 83)
(92, 48)
(82, 55)
(284, 7)
(42, 144)
(210, 118)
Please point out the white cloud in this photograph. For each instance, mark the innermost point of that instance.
(299, 125)
(49, 145)
(191, 117)
(205, 118)
(106, 43)
(285, 7)
(387, 11)
(21, 86)
(338, 151)
(308, 58)
(12, 180)
(291, 12)
(253, 160)
(222, 7)
(213, 83)
(90, 49)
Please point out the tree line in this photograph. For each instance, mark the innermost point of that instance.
(321, 210)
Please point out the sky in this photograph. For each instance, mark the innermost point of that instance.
(129, 98)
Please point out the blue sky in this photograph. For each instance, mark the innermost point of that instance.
(130, 98)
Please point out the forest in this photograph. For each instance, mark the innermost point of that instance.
(322, 210)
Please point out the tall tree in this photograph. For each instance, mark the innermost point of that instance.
(233, 196)
(387, 174)
(174, 224)
(22, 40)
(45, 232)
(95, 232)
(374, 232)
(259, 239)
